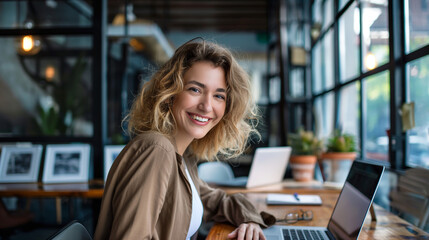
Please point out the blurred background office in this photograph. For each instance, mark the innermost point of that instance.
(69, 70)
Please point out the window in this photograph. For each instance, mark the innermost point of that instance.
(416, 24)
(418, 137)
(297, 82)
(46, 94)
(375, 34)
(377, 120)
(296, 34)
(361, 80)
(324, 115)
(349, 30)
(323, 63)
(349, 110)
(341, 4)
(317, 68)
(328, 60)
(317, 11)
(328, 13)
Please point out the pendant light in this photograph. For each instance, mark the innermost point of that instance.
(28, 44)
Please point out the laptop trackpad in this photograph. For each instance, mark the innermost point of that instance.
(273, 237)
(272, 233)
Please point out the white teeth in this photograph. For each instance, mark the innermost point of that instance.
(200, 119)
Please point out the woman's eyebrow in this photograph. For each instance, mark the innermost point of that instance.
(204, 86)
(196, 83)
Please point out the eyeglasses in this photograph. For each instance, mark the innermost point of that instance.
(294, 217)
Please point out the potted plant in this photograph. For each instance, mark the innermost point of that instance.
(340, 152)
(305, 148)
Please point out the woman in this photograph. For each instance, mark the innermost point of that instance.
(195, 107)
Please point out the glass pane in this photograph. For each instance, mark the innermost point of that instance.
(46, 93)
(418, 137)
(349, 31)
(296, 34)
(273, 67)
(255, 68)
(317, 11)
(375, 34)
(324, 117)
(32, 14)
(296, 117)
(274, 90)
(377, 100)
(259, 87)
(349, 109)
(317, 68)
(341, 4)
(328, 60)
(416, 24)
(296, 85)
(316, 19)
(328, 13)
(307, 32)
(274, 125)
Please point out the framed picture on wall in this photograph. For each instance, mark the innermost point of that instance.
(65, 163)
(110, 154)
(20, 163)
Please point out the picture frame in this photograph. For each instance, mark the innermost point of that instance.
(20, 164)
(66, 163)
(110, 154)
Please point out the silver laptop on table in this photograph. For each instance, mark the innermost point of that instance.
(268, 167)
(349, 213)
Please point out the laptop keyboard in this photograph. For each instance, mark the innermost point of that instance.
(302, 234)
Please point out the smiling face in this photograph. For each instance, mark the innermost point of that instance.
(201, 104)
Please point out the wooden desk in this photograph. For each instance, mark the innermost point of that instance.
(39, 190)
(388, 225)
(57, 191)
(288, 186)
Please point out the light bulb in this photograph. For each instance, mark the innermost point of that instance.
(370, 61)
(28, 45)
(49, 73)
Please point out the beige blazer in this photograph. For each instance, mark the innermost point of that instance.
(147, 195)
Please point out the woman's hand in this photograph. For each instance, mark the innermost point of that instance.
(248, 231)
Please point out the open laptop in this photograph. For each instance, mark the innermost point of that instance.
(349, 213)
(268, 167)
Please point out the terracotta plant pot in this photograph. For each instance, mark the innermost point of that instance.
(339, 155)
(303, 167)
(336, 165)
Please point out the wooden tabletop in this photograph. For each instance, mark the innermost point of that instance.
(288, 186)
(36, 190)
(94, 189)
(388, 225)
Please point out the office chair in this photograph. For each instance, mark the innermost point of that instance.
(72, 231)
(212, 172)
(412, 195)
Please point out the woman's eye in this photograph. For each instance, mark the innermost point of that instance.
(220, 97)
(193, 89)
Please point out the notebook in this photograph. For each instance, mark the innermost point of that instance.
(293, 199)
(350, 210)
(268, 167)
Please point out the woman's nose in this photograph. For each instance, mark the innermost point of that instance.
(205, 104)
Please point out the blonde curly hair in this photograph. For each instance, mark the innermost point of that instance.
(151, 108)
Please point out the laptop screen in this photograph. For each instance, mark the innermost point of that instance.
(354, 200)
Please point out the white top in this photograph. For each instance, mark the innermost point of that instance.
(197, 209)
